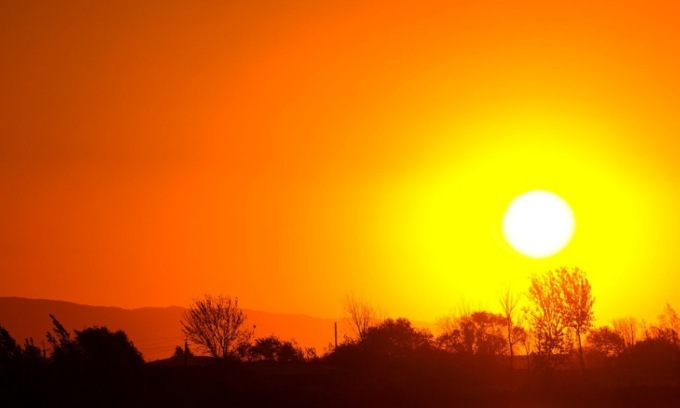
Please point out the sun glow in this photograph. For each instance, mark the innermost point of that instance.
(538, 223)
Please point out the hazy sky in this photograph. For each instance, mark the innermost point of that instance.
(287, 152)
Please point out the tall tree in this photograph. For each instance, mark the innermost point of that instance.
(508, 302)
(561, 300)
(577, 304)
(547, 315)
(217, 325)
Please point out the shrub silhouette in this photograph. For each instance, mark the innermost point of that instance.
(606, 342)
(395, 339)
(93, 348)
(653, 355)
(272, 349)
(180, 353)
(479, 334)
(390, 342)
(102, 348)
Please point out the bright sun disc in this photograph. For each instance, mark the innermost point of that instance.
(538, 223)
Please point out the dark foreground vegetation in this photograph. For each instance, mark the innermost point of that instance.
(562, 360)
(433, 382)
(393, 365)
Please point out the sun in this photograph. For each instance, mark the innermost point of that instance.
(538, 223)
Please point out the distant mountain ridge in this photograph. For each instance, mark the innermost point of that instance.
(155, 331)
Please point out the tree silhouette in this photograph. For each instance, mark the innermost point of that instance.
(628, 329)
(546, 315)
(30, 353)
(606, 342)
(360, 315)
(180, 353)
(93, 348)
(216, 325)
(14, 357)
(561, 300)
(478, 334)
(102, 348)
(64, 350)
(669, 325)
(274, 350)
(652, 355)
(522, 337)
(9, 350)
(395, 339)
(508, 303)
(578, 304)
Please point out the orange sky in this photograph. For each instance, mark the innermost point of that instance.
(287, 152)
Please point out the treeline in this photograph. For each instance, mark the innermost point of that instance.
(554, 329)
(549, 332)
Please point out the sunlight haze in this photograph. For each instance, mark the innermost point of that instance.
(290, 152)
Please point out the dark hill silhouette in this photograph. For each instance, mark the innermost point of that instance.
(155, 331)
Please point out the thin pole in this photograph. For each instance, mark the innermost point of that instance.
(336, 334)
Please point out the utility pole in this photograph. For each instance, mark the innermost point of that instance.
(336, 335)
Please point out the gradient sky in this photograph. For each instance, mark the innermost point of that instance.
(289, 152)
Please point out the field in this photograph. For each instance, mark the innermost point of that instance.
(322, 384)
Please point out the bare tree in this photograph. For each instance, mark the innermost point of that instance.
(578, 304)
(628, 328)
(216, 325)
(508, 302)
(360, 315)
